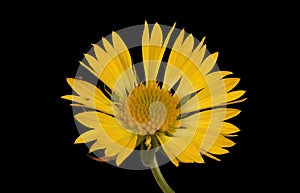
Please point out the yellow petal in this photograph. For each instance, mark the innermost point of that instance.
(156, 35)
(97, 145)
(88, 136)
(123, 53)
(178, 42)
(236, 101)
(211, 156)
(180, 52)
(200, 44)
(74, 98)
(218, 75)
(89, 119)
(230, 112)
(230, 83)
(234, 95)
(167, 39)
(213, 94)
(180, 147)
(222, 141)
(185, 158)
(217, 98)
(109, 48)
(89, 69)
(120, 47)
(123, 140)
(205, 117)
(123, 148)
(225, 73)
(109, 124)
(218, 86)
(217, 150)
(145, 37)
(83, 102)
(175, 162)
(228, 128)
(191, 105)
(130, 144)
(146, 43)
(102, 57)
(115, 65)
(209, 63)
(168, 148)
(153, 50)
(96, 66)
(183, 58)
(188, 45)
(112, 137)
(112, 150)
(210, 125)
(218, 114)
(198, 54)
(191, 154)
(182, 66)
(103, 141)
(96, 99)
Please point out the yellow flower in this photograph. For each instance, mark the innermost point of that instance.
(184, 113)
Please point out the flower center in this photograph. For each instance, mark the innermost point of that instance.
(149, 109)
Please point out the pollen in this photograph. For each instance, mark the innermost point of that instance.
(149, 109)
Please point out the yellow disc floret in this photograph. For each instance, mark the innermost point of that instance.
(149, 108)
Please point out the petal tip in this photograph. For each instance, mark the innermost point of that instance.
(70, 81)
(78, 140)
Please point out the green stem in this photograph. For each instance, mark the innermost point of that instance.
(160, 180)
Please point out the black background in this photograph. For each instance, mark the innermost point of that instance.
(52, 39)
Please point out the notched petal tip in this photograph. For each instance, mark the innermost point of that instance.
(91, 150)
(113, 33)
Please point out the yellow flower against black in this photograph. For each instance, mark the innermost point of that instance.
(184, 114)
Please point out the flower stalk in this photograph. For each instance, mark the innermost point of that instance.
(160, 180)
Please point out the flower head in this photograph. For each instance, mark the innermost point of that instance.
(177, 106)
